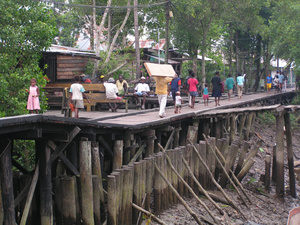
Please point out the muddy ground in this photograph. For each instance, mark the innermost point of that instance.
(266, 208)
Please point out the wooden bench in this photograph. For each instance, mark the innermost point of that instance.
(95, 93)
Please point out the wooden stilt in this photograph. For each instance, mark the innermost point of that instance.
(7, 181)
(232, 128)
(242, 156)
(136, 190)
(149, 214)
(96, 170)
(274, 164)
(179, 197)
(128, 177)
(290, 153)
(149, 150)
(215, 182)
(267, 172)
(118, 154)
(248, 126)
(149, 181)
(158, 140)
(96, 200)
(127, 144)
(228, 164)
(203, 173)
(245, 169)
(252, 153)
(157, 186)
(67, 185)
(86, 183)
(279, 155)
(241, 126)
(112, 208)
(1, 206)
(45, 181)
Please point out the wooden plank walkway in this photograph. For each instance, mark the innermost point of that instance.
(136, 119)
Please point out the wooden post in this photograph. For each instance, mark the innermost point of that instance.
(248, 125)
(149, 181)
(211, 161)
(118, 154)
(180, 168)
(158, 140)
(290, 153)
(183, 134)
(96, 170)
(267, 172)
(279, 155)
(228, 164)
(96, 199)
(243, 153)
(7, 182)
(57, 201)
(127, 144)
(232, 128)
(86, 182)
(157, 187)
(177, 136)
(149, 150)
(241, 126)
(68, 201)
(1, 205)
(136, 190)
(112, 208)
(45, 182)
(274, 164)
(245, 169)
(128, 194)
(203, 173)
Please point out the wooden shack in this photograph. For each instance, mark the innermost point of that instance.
(63, 63)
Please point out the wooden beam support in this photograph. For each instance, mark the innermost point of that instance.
(106, 146)
(62, 147)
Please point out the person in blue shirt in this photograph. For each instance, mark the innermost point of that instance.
(269, 81)
(281, 78)
(240, 85)
(229, 84)
(175, 85)
(205, 94)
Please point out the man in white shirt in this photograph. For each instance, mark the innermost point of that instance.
(111, 91)
(141, 89)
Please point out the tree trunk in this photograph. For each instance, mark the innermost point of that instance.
(167, 33)
(137, 40)
(117, 33)
(258, 55)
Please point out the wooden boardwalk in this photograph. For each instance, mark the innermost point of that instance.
(136, 119)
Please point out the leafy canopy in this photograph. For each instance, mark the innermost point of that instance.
(27, 28)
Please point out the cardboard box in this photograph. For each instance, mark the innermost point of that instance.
(159, 70)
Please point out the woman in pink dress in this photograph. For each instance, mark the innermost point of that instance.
(33, 103)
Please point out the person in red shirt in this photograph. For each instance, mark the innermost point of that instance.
(193, 89)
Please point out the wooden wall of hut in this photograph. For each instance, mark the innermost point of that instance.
(69, 66)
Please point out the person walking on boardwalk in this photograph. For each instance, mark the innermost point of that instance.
(178, 102)
(162, 92)
(141, 89)
(269, 81)
(122, 85)
(193, 89)
(276, 84)
(76, 95)
(281, 78)
(33, 102)
(175, 85)
(229, 84)
(205, 94)
(240, 85)
(216, 83)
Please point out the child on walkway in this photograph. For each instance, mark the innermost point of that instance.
(33, 103)
(178, 102)
(76, 95)
(205, 94)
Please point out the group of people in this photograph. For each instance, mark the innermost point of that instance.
(279, 82)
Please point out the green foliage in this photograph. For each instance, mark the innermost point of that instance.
(24, 153)
(27, 28)
(267, 118)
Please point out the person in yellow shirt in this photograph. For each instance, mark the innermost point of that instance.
(122, 85)
(162, 93)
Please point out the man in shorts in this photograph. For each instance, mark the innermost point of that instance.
(269, 82)
(141, 89)
(229, 84)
